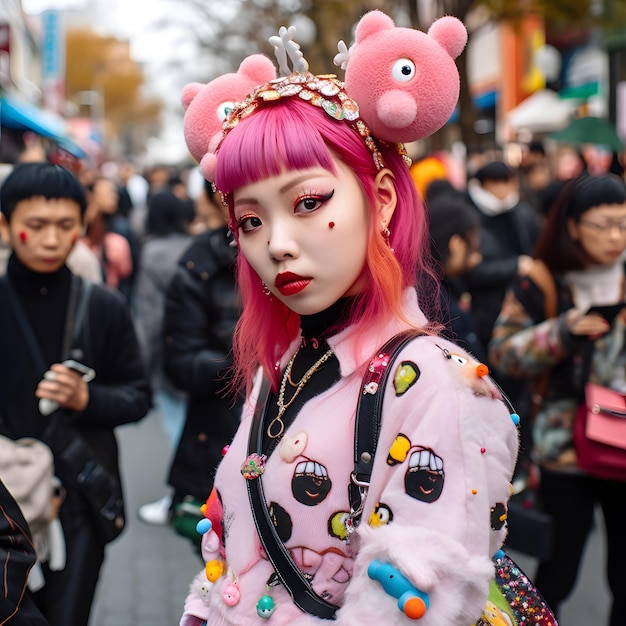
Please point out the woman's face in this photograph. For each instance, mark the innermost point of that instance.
(601, 232)
(305, 234)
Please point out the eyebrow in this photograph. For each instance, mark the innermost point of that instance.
(44, 220)
(286, 187)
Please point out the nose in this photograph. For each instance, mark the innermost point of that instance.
(281, 243)
(51, 237)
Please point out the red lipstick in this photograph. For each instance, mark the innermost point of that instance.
(290, 284)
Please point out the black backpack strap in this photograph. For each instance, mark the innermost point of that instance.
(367, 422)
(367, 428)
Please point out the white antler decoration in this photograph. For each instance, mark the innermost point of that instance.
(341, 59)
(285, 46)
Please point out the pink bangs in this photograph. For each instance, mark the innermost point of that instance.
(266, 142)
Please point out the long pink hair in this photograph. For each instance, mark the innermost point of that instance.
(295, 135)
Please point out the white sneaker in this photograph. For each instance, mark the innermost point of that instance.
(156, 512)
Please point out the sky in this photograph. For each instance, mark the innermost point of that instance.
(134, 20)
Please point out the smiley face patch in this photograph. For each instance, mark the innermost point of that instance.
(425, 477)
(310, 483)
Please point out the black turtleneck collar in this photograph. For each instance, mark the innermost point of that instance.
(44, 298)
(327, 322)
(28, 283)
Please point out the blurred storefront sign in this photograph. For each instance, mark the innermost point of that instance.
(53, 61)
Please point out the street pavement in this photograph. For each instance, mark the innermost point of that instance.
(147, 570)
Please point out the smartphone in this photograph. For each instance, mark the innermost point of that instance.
(609, 311)
(87, 373)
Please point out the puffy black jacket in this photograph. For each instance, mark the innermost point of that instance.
(201, 311)
(503, 238)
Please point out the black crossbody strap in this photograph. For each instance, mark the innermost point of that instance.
(367, 427)
(77, 318)
(303, 595)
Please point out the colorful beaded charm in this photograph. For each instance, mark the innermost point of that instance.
(253, 466)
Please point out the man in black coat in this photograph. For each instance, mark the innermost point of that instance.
(42, 217)
(201, 312)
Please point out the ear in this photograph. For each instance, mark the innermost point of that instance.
(455, 243)
(572, 229)
(386, 195)
(4, 229)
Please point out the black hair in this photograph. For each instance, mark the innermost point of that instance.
(30, 180)
(496, 170)
(537, 147)
(439, 187)
(555, 247)
(450, 214)
(167, 214)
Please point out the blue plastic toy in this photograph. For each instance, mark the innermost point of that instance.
(411, 601)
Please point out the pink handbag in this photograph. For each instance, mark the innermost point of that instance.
(600, 433)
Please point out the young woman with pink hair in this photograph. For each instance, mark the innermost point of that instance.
(305, 522)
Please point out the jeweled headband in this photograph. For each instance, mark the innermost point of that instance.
(324, 91)
(405, 81)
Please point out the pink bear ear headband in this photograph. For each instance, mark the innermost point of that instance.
(406, 81)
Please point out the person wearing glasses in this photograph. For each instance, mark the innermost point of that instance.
(583, 248)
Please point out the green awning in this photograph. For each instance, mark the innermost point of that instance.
(582, 92)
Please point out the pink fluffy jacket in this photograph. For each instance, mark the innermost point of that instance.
(436, 508)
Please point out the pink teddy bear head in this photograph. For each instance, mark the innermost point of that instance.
(206, 107)
(405, 82)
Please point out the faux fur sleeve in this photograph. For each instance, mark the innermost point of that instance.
(436, 509)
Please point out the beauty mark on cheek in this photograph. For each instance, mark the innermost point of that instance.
(23, 236)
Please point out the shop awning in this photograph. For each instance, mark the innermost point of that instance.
(25, 116)
(541, 112)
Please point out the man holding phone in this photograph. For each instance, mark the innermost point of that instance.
(46, 366)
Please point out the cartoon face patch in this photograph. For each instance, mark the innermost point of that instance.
(498, 516)
(281, 520)
(425, 477)
(405, 377)
(337, 525)
(381, 515)
(310, 483)
(474, 373)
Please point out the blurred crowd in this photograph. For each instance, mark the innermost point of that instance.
(159, 237)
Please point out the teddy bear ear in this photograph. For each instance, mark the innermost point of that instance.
(189, 92)
(372, 23)
(208, 164)
(258, 68)
(450, 33)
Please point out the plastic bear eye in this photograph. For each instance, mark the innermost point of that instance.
(403, 70)
(224, 109)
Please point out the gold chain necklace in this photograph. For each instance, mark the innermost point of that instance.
(282, 407)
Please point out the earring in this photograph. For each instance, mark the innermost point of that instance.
(386, 233)
(266, 291)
